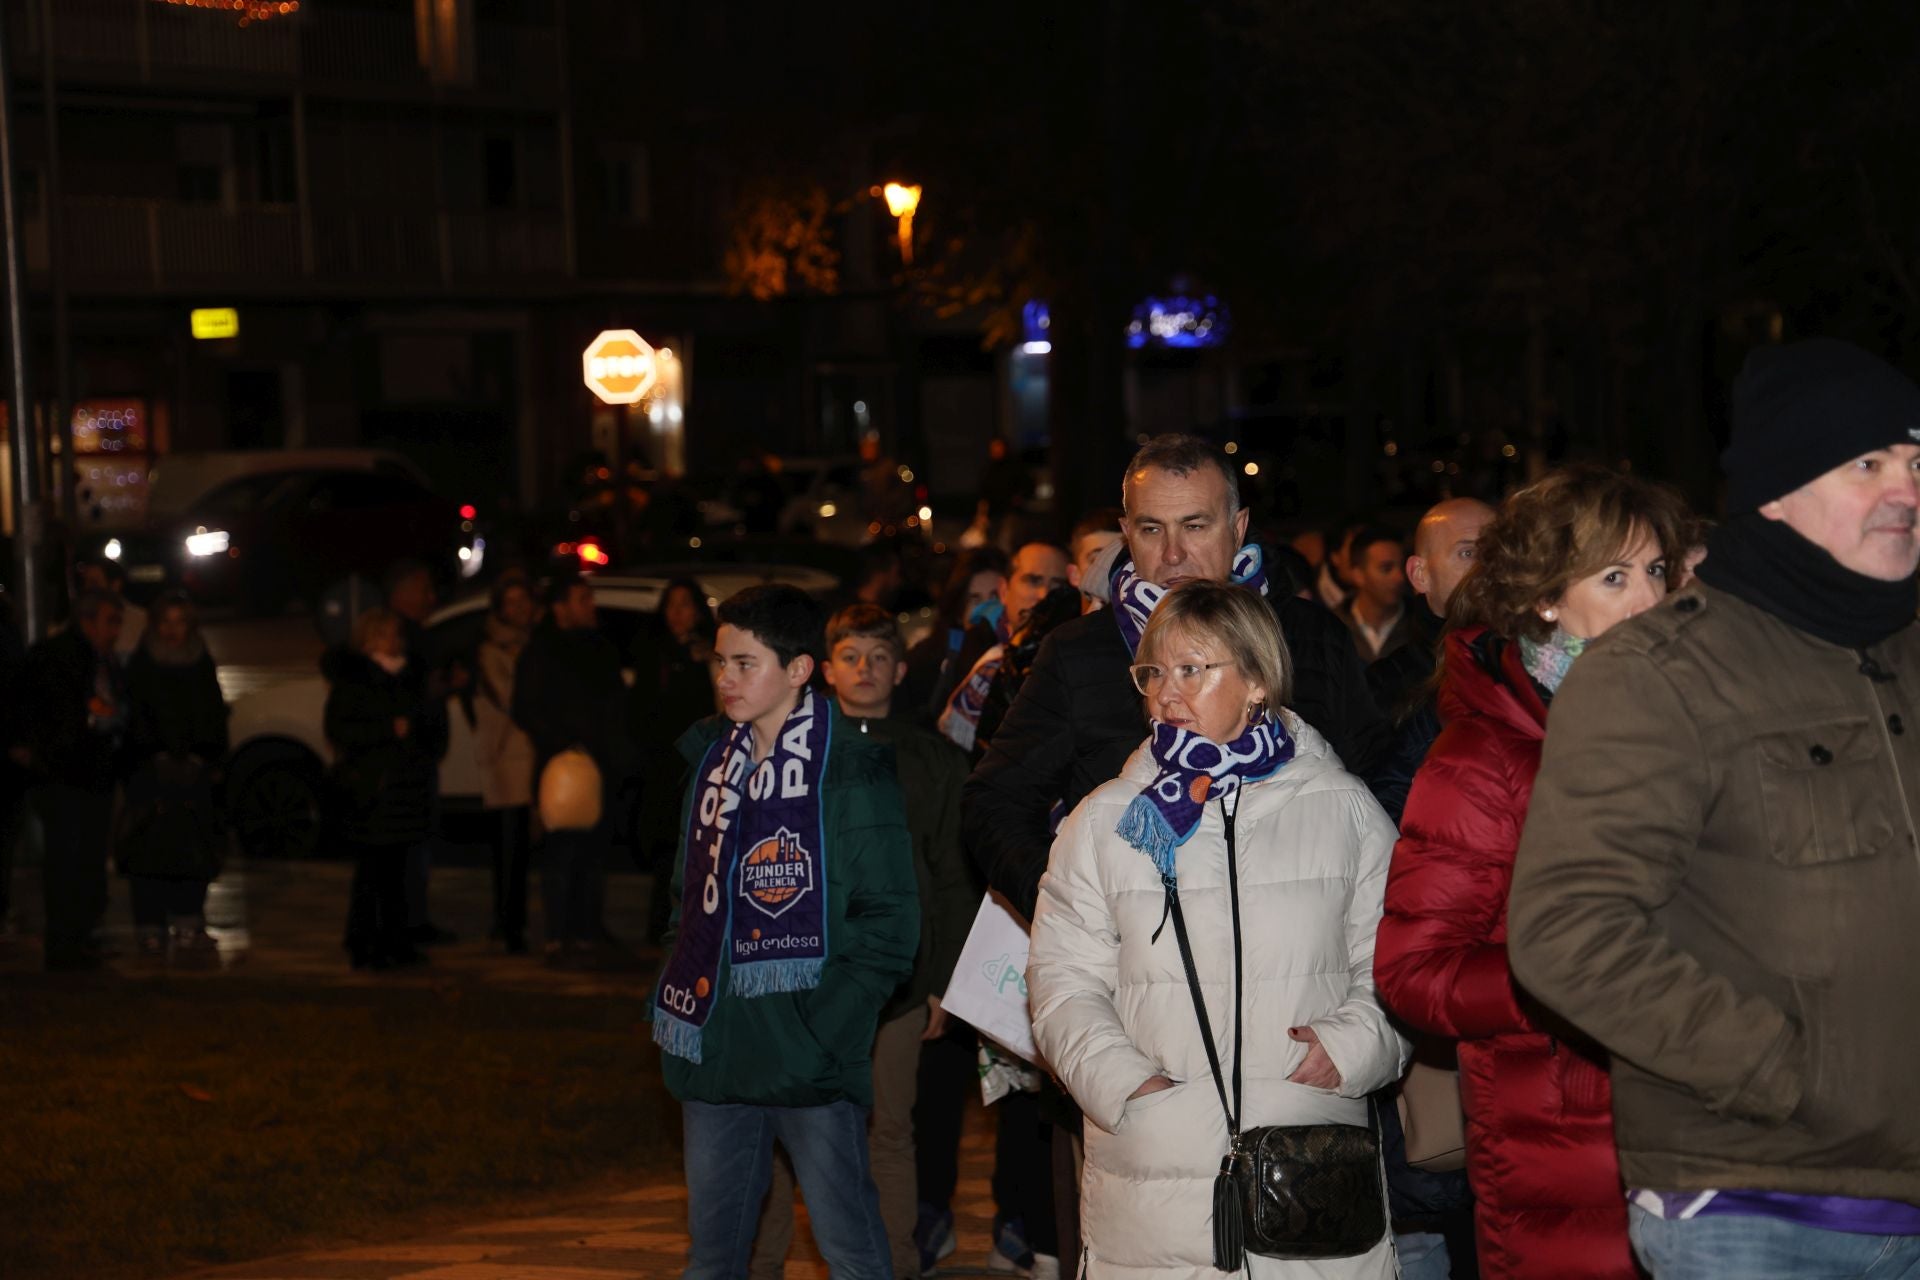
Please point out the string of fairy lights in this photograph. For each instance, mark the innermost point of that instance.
(247, 11)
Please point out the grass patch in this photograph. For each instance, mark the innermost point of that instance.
(153, 1126)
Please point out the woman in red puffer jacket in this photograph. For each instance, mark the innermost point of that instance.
(1566, 558)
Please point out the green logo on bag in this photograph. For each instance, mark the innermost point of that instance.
(1002, 974)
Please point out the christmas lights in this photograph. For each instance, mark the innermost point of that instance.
(247, 11)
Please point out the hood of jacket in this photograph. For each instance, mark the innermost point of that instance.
(1484, 676)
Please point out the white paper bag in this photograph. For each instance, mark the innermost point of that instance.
(988, 989)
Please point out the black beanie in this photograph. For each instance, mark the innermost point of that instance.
(1802, 409)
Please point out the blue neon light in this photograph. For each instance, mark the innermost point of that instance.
(1180, 321)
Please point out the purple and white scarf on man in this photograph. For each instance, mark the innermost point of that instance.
(1135, 599)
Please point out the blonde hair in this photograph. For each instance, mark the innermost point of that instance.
(1239, 620)
(371, 623)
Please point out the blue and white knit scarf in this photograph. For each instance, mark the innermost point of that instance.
(1194, 770)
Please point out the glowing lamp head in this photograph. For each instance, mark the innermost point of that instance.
(901, 199)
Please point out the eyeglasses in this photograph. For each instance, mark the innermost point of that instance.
(1186, 676)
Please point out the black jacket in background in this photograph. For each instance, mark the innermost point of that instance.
(1078, 717)
(1400, 679)
(568, 692)
(175, 708)
(1403, 686)
(384, 784)
(60, 682)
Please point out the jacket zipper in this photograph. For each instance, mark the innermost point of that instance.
(1893, 758)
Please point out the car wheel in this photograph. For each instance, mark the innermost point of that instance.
(275, 808)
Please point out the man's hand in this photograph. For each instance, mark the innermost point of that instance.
(1318, 1071)
(1154, 1084)
(936, 1020)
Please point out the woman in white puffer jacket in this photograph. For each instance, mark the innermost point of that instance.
(1112, 1012)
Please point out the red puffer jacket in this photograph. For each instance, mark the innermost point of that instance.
(1539, 1110)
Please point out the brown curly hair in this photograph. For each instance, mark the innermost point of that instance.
(1563, 527)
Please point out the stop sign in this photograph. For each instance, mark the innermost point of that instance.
(619, 366)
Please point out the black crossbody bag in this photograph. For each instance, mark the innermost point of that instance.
(1283, 1191)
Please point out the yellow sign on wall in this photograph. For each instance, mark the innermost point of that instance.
(215, 322)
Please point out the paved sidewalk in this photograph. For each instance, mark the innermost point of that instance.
(284, 920)
(634, 1233)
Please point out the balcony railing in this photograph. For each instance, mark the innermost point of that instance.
(139, 246)
(140, 42)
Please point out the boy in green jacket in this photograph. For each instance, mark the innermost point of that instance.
(796, 916)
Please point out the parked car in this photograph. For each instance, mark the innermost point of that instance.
(280, 752)
(274, 527)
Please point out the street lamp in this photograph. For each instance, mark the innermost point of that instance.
(902, 200)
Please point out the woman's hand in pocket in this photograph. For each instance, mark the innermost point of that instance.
(1318, 1071)
(1154, 1084)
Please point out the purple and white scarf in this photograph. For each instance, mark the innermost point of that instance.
(1135, 599)
(1194, 770)
(754, 879)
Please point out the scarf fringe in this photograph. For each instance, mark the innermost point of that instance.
(1145, 828)
(776, 977)
(677, 1037)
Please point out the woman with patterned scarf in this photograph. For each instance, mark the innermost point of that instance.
(1239, 808)
(1566, 558)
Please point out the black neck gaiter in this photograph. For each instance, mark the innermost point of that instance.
(1768, 565)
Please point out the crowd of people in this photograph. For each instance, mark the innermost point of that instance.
(1589, 810)
(1523, 893)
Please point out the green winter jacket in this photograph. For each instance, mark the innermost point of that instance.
(932, 772)
(809, 1048)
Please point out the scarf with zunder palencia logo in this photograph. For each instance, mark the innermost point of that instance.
(754, 878)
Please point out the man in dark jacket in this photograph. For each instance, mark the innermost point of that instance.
(568, 692)
(1443, 548)
(1078, 716)
(76, 721)
(1718, 878)
(795, 920)
(412, 596)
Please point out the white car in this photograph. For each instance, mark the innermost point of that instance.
(281, 755)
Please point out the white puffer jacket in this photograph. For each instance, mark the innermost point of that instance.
(1111, 1006)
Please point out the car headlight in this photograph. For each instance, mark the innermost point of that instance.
(473, 557)
(206, 542)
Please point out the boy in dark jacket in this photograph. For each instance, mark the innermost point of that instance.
(866, 661)
(796, 917)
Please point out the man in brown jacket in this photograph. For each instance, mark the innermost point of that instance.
(1720, 874)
